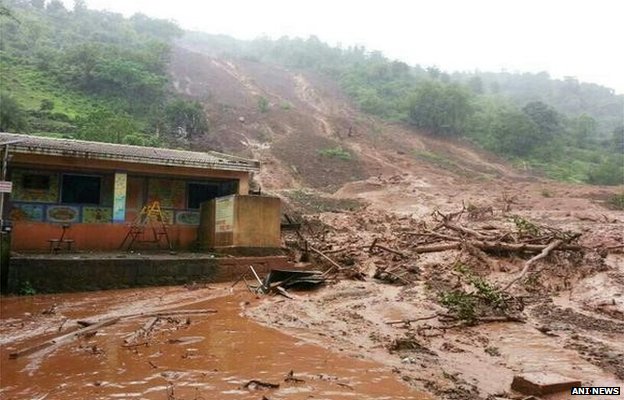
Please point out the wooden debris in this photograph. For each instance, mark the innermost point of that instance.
(290, 377)
(63, 338)
(255, 384)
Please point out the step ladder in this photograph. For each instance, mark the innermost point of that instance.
(150, 219)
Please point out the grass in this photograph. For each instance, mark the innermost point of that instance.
(310, 203)
(30, 87)
(439, 161)
(336, 152)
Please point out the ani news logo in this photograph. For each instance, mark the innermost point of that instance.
(595, 391)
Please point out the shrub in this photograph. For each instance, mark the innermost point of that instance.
(336, 152)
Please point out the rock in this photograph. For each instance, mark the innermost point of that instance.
(539, 383)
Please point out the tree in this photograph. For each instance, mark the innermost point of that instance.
(12, 115)
(186, 118)
(105, 126)
(440, 108)
(545, 117)
(514, 133)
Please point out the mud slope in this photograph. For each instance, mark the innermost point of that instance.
(306, 115)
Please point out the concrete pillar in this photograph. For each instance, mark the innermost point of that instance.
(119, 197)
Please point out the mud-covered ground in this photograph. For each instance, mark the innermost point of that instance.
(219, 355)
(573, 301)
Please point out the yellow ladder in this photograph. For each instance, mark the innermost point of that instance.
(150, 217)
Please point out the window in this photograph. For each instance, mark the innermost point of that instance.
(36, 182)
(83, 189)
(200, 192)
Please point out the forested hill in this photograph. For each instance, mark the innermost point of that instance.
(89, 74)
(99, 76)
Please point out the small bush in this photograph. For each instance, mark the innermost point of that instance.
(336, 152)
(617, 201)
(263, 104)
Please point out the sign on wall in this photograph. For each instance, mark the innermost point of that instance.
(224, 214)
(6, 186)
(119, 198)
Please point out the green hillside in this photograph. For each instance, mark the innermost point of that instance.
(89, 74)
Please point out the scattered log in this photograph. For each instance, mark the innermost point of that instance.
(409, 320)
(329, 260)
(142, 331)
(63, 338)
(545, 252)
(389, 250)
(257, 384)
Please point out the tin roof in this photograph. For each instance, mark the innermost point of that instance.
(126, 153)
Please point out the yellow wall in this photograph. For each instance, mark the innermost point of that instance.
(256, 223)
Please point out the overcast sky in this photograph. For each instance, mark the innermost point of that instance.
(565, 38)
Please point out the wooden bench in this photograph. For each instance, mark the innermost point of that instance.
(56, 245)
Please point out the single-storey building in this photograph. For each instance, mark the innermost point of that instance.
(95, 190)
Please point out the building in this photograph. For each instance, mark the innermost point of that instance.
(95, 190)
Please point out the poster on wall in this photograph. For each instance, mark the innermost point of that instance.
(63, 214)
(34, 186)
(27, 212)
(224, 214)
(96, 215)
(187, 218)
(119, 200)
(169, 192)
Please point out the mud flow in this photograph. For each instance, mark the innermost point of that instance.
(219, 355)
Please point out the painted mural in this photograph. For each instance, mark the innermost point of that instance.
(63, 214)
(187, 218)
(35, 186)
(97, 215)
(169, 192)
(27, 212)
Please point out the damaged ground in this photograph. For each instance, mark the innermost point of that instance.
(459, 300)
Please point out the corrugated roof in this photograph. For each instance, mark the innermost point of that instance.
(120, 152)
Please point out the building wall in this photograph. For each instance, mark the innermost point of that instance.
(35, 236)
(240, 222)
(37, 215)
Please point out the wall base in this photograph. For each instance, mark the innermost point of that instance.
(71, 273)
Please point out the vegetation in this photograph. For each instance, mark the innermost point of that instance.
(90, 74)
(533, 120)
(336, 152)
(617, 201)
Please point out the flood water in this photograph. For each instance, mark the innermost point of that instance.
(210, 356)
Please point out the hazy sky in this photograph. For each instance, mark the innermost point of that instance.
(576, 38)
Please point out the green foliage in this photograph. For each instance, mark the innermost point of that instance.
(461, 304)
(610, 172)
(12, 115)
(46, 105)
(440, 108)
(93, 67)
(336, 152)
(525, 226)
(186, 118)
(617, 201)
(544, 116)
(468, 305)
(263, 104)
(26, 289)
(105, 126)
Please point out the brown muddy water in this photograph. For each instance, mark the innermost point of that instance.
(210, 358)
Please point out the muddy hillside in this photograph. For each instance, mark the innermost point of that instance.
(453, 269)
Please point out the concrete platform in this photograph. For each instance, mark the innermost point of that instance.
(541, 383)
(49, 273)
